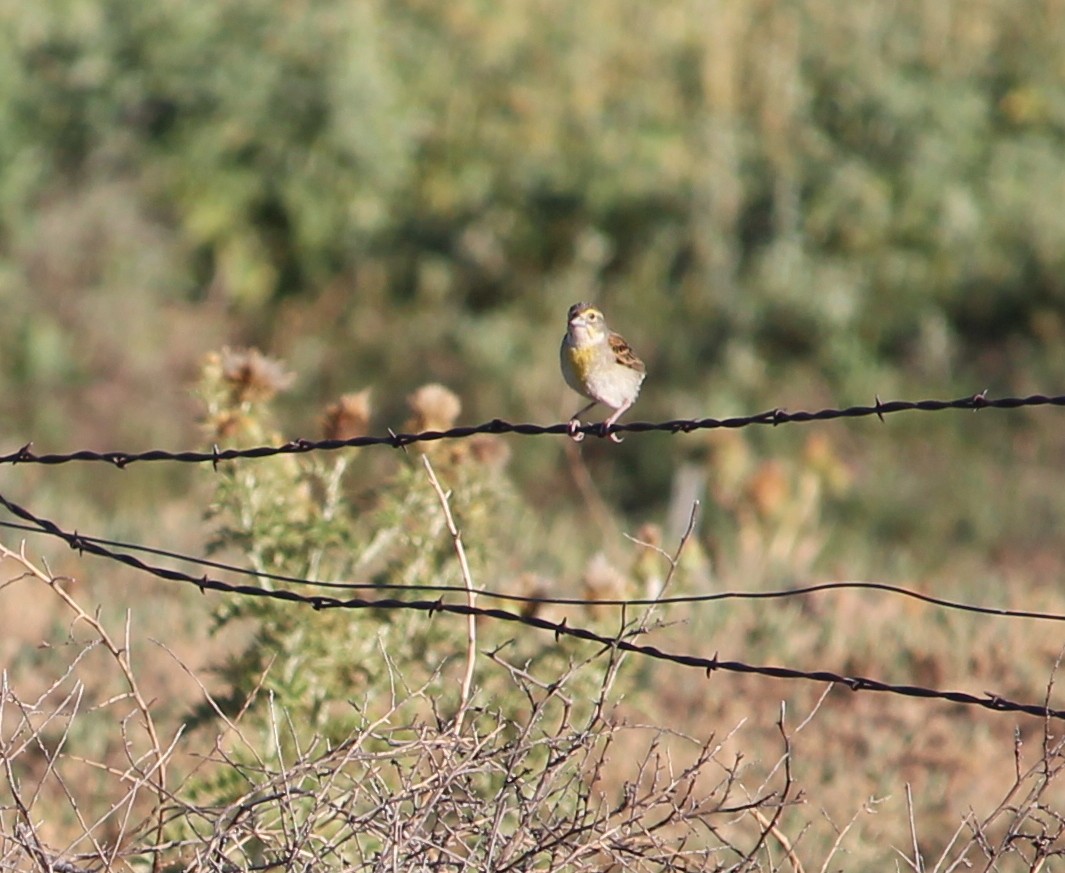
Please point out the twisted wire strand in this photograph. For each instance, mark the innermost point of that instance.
(548, 600)
(623, 641)
(497, 426)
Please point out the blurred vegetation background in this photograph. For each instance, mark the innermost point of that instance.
(788, 203)
(778, 204)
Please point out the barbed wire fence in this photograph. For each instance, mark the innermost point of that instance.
(498, 427)
(624, 640)
(78, 541)
(351, 595)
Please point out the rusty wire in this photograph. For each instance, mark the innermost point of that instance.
(623, 641)
(773, 417)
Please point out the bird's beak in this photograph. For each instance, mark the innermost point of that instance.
(578, 320)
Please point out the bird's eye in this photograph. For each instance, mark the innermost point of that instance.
(592, 315)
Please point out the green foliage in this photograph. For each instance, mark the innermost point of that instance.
(288, 516)
(887, 167)
(793, 203)
(300, 676)
(789, 199)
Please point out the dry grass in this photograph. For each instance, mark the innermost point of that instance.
(685, 773)
(404, 792)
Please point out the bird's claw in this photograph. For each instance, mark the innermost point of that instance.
(603, 430)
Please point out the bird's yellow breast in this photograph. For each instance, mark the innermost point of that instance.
(576, 365)
(581, 358)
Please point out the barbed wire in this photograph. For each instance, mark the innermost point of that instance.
(497, 426)
(548, 600)
(622, 641)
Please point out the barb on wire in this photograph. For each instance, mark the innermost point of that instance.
(547, 600)
(773, 417)
(205, 583)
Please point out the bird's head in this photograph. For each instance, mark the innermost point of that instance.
(586, 324)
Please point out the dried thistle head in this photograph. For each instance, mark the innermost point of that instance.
(435, 407)
(603, 581)
(228, 424)
(769, 490)
(252, 377)
(650, 533)
(489, 450)
(348, 417)
(821, 456)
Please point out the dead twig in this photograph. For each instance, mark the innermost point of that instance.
(471, 594)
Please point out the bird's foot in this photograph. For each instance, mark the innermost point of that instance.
(574, 432)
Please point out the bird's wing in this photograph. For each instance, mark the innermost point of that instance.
(624, 354)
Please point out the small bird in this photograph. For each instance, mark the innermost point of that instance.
(599, 364)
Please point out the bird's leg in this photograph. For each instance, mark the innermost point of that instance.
(575, 423)
(614, 438)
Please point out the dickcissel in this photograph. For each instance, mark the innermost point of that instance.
(599, 364)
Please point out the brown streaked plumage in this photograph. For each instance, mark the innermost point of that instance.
(599, 364)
